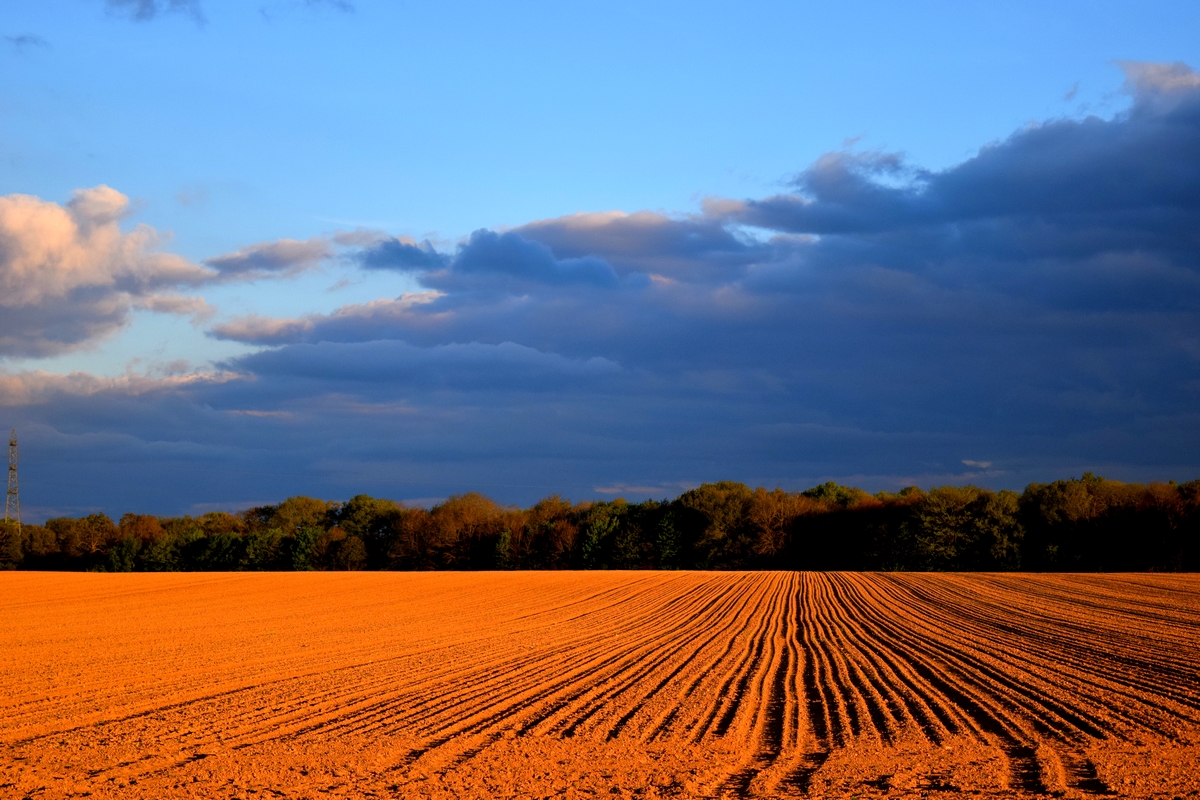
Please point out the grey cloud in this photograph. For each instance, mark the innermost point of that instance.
(488, 260)
(402, 255)
(689, 248)
(146, 10)
(283, 257)
(27, 41)
(1114, 171)
(509, 255)
(398, 366)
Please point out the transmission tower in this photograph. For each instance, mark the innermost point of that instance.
(12, 501)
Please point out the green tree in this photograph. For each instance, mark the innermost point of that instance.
(265, 550)
(717, 523)
(667, 545)
(123, 556)
(603, 521)
(503, 548)
(834, 495)
(967, 528)
(303, 545)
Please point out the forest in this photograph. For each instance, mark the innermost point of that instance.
(1080, 524)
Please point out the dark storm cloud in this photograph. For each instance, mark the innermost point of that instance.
(1033, 308)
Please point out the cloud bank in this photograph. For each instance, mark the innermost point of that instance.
(1026, 314)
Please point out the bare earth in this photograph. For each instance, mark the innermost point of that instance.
(598, 684)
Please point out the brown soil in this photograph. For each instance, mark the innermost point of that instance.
(599, 685)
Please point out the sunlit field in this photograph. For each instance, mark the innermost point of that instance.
(598, 684)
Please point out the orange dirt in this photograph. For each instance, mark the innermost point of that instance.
(598, 684)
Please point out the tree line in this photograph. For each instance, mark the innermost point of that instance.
(1080, 524)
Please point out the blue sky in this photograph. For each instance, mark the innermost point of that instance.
(871, 242)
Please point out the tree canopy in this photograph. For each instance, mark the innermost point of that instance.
(1080, 524)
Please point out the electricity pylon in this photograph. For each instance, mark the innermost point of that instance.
(12, 501)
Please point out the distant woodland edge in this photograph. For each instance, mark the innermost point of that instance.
(1080, 524)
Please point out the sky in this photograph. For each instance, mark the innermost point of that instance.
(254, 250)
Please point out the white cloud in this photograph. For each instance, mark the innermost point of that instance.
(70, 275)
(48, 251)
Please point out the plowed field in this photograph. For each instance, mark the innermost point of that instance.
(598, 684)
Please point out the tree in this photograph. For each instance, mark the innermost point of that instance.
(122, 557)
(600, 524)
(967, 528)
(303, 544)
(143, 527)
(300, 512)
(712, 518)
(265, 550)
(11, 551)
(370, 520)
(503, 549)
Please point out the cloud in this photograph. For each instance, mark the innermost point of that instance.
(394, 364)
(192, 197)
(70, 275)
(695, 248)
(1045, 289)
(37, 387)
(1037, 302)
(489, 260)
(381, 314)
(284, 257)
(146, 10)
(665, 490)
(183, 305)
(27, 41)
(1144, 80)
(401, 254)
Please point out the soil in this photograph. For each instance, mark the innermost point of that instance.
(599, 684)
